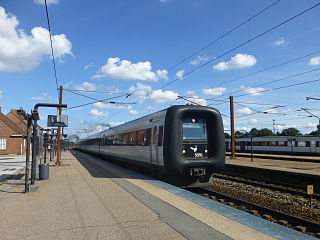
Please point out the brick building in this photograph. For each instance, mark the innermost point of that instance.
(11, 124)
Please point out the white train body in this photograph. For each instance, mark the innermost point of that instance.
(299, 145)
(160, 142)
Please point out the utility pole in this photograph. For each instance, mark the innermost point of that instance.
(58, 162)
(233, 150)
(274, 126)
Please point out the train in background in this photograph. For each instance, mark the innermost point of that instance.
(183, 144)
(291, 145)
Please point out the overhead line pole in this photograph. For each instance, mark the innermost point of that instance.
(233, 150)
(58, 162)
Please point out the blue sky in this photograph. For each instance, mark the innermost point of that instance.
(126, 46)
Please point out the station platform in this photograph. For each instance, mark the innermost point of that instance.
(88, 198)
(299, 158)
(10, 165)
(311, 168)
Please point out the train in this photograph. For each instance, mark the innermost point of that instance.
(291, 145)
(183, 144)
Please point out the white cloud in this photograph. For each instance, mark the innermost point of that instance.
(197, 100)
(162, 74)
(280, 42)
(314, 61)
(159, 96)
(133, 112)
(140, 90)
(45, 97)
(239, 61)
(180, 74)
(253, 121)
(101, 105)
(225, 122)
(20, 52)
(190, 93)
(244, 111)
(48, 1)
(199, 59)
(246, 129)
(97, 113)
(67, 85)
(86, 67)
(1, 94)
(214, 91)
(125, 70)
(150, 108)
(37, 98)
(272, 111)
(252, 91)
(86, 86)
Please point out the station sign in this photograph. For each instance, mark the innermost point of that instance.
(57, 121)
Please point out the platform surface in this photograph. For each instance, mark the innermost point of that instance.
(10, 165)
(88, 198)
(312, 168)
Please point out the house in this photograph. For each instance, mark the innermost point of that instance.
(11, 125)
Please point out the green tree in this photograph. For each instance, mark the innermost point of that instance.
(315, 133)
(290, 132)
(227, 135)
(239, 134)
(254, 132)
(265, 132)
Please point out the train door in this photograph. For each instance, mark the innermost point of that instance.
(313, 146)
(154, 146)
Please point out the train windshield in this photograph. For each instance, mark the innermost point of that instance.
(194, 129)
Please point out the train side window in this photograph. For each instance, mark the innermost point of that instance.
(307, 143)
(133, 138)
(154, 135)
(125, 139)
(272, 143)
(141, 137)
(301, 144)
(160, 136)
(282, 143)
(318, 144)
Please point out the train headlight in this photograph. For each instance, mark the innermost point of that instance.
(183, 151)
(206, 150)
(193, 120)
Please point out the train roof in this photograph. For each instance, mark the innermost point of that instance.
(141, 119)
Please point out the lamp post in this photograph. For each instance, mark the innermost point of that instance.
(35, 117)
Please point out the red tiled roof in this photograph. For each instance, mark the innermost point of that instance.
(10, 124)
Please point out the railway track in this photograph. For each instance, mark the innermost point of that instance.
(287, 220)
(275, 186)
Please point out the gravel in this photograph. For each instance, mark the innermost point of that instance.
(283, 202)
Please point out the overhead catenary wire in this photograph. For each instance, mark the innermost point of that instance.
(91, 91)
(231, 50)
(51, 45)
(277, 88)
(79, 94)
(267, 83)
(265, 69)
(102, 100)
(234, 48)
(224, 35)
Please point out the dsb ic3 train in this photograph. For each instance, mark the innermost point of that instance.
(185, 144)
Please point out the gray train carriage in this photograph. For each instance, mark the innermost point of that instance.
(296, 145)
(183, 143)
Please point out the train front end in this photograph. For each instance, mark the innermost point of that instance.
(194, 145)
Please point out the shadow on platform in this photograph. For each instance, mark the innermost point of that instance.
(98, 167)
